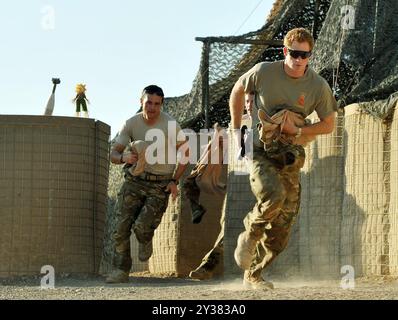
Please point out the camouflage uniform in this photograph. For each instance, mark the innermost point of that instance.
(140, 205)
(275, 182)
(275, 169)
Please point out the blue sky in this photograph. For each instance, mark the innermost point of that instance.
(115, 47)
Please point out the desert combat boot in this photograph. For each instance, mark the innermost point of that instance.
(251, 281)
(245, 250)
(145, 251)
(201, 273)
(197, 213)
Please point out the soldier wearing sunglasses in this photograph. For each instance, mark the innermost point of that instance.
(289, 85)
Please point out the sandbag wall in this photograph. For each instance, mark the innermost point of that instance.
(53, 181)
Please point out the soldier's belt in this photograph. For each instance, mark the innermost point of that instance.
(154, 177)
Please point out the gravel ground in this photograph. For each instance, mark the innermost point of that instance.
(148, 287)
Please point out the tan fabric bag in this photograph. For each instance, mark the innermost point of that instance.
(207, 174)
(270, 128)
(138, 147)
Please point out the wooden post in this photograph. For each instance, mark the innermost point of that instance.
(205, 83)
(316, 19)
(207, 41)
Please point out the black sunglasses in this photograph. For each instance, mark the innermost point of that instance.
(297, 53)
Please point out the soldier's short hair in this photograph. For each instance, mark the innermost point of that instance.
(299, 35)
(153, 89)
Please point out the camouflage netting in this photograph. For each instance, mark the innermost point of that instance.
(356, 52)
(228, 61)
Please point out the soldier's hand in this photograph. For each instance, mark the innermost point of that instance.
(130, 157)
(172, 188)
(290, 128)
(238, 139)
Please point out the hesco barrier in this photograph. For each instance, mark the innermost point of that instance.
(53, 193)
(180, 245)
(349, 210)
(239, 201)
(393, 206)
(313, 245)
(365, 226)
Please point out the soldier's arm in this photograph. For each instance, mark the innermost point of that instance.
(325, 126)
(236, 104)
(182, 165)
(119, 157)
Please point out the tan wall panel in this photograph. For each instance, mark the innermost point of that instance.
(364, 220)
(393, 206)
(48, 192)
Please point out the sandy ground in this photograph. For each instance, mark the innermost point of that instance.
(148, 287)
